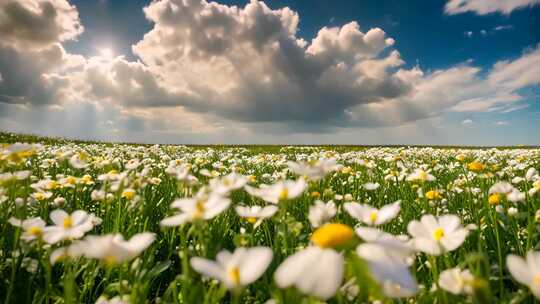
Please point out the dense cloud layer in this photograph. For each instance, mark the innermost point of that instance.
(213, 65)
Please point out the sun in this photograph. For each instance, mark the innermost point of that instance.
(106, 53)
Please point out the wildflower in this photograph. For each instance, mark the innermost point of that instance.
(437, 235)
(113, 249)
(526, 271)
(535, 188)
(203, 206)
(433, 195)
(280, 191)
(476, 166)
(240, 268)
(314, 170)
(227, 183)
(494, 199)
(67, 226)
(457, 281)
(33, 227)
(372, 216)
(386, 257)
(512, 211)
(321, 213)
(370, 186)
(41, 196)
(504, 188)
(128, 194)
(114, 300)
(420, 175)
(256, 214)
(318, 269)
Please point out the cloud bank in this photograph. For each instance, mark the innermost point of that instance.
(217, 66)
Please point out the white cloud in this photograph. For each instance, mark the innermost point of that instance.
(503, 27)
(467, 122)
(483, 7)
(36, 24)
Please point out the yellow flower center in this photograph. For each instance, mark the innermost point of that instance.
(68, 222)
(110, 260)
(71, 180)
(494, 199)
(332, 235)
(422, 175)
(373, 216)
(251, 220)
(40, 196)
(199, 209)
(284, 194)
(438, 234)
(128, 194)
(476, 166)
(433, 195)
(36, 231)
(537, 279)
(234, 275)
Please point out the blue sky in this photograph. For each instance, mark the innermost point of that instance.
(456, 72)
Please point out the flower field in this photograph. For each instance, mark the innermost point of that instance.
(117, 223)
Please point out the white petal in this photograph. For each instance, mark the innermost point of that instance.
(175, 220)
(519, 269)
(208, 268)
(296, 267)
(454, 239)
(58, 216)
(254, 264)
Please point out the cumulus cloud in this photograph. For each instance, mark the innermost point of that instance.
(483, 7)
(37, 24)
(248, 64)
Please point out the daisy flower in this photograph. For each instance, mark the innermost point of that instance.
(318, 269)
(372, 216)
(437, 235)
(237, 269)
(256, 214)
(68, 226)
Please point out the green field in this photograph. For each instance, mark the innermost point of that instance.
(86, 222)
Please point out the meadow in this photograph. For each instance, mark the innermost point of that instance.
(87, 222)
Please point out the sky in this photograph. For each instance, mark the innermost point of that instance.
(456, 72)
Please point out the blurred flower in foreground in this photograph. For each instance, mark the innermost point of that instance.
(255, 214)
(321, 213)
(33, 227)
(526, 271)
(112, 248)
(457, 281)
(318, 269)
(237, 269)
(387, 258)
